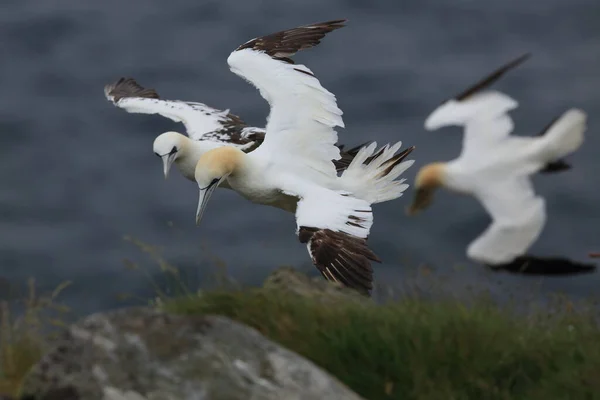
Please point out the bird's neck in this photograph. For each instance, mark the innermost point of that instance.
(188, 157)
(230, 160)
(189, 154)
(237, 165)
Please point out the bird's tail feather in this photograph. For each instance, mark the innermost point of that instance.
(564, 136)
(371, 174)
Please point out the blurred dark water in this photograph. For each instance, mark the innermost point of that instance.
(78, 174)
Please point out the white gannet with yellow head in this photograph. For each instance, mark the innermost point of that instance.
(293, 170)
(494, 167)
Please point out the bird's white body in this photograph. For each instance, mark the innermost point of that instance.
(268, 183)
(494, 167)
(256, 181)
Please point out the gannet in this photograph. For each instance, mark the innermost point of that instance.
(292, 168)
(207, 127)
(494, 167)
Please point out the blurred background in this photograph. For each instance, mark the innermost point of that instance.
(79, 174)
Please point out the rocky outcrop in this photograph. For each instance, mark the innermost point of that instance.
(144, 354)
(291, 280)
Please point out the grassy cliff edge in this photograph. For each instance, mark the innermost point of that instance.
(415, 349)
(404, 349)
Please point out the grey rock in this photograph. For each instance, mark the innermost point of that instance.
(145, 354)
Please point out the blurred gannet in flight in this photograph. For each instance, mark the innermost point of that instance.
(494, 167)
(293, 169)
(207, 127)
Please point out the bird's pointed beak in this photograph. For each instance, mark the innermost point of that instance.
(422, 199)
(167, 162)
(204, 195)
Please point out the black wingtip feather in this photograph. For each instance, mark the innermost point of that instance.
(346, 156)
(548, 126)
(397, 159)
(491, 78)
(129, 87)
(284, 44)
(555, 167)
(546, 266)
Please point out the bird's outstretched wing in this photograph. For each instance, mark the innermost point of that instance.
(518, 217)
(303, 113)
(475, 102)
(201, 121)
(484, 116)
(483, 113)
(491, 78)
(335, 228)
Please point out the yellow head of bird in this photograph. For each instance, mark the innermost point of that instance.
(429, 178)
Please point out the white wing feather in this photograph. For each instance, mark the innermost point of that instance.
(198, 119)
(564, 136)
(303, 113)
(326, 209)
(518, 217)
(484, 117)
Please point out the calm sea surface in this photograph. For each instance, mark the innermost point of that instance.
(77, 174)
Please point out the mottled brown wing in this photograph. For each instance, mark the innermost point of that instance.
(128, 87)
(202, 122)
(340, 257)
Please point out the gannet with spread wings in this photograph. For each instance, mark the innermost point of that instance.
(494, 167)
(292, 168)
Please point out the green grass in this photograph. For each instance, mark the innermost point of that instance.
(414, 349)
(23, 340)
